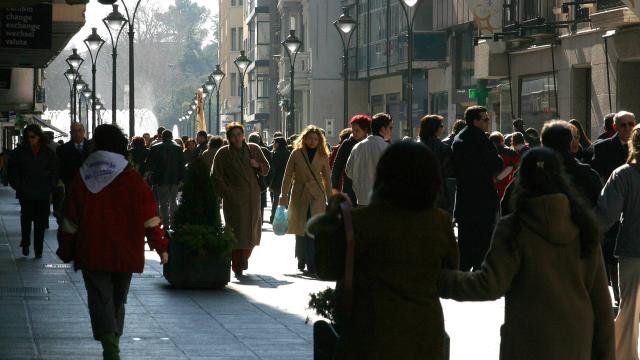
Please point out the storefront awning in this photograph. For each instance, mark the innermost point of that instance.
(39, 121)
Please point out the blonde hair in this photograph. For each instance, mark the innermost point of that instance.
(634, 147)
(312, 129)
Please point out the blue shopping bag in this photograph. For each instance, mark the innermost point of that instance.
(281, 221)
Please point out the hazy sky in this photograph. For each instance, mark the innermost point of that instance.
(96, 12)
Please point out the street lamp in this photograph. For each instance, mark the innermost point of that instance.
(114, 22)
(242, 63)
(345, 26)
(131, 19)
(217, 76)
(410, 15)
(94, 44)
(70, 75)
(292, 45)
(74, 61)
(80, 85)
(189, 112)
(207, 90)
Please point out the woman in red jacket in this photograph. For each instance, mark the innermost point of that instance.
(106, 218)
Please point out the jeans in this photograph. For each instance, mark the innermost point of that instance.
(167, 197)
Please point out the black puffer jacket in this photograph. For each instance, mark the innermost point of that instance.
(33, 176)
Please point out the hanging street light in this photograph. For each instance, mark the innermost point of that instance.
(94, 44)
(114, 22)
(242, 63)
(292, 45)
(75, 62)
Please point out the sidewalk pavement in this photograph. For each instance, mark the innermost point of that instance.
(43, 308)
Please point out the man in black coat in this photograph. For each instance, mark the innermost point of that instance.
(279, 158)
(33, 173)
(608, 155)
(476, 163)
(360, 129)
(72, 154)
(166, 164)
(202, 141)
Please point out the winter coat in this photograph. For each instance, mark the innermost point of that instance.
(279, 159)
(301, 192)
(557, 303)
(620, 201)
(338, 178)
(608, 155)
(236, 183)
(71, 159)
(33, 177)
(476, 163)
(138, 159)
(208, 156)
(398, 256)
(362, 164)
(166, 163)
(106, 230)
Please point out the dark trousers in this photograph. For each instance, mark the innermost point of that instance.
(474, 238)
(306, 250)
(106, 294)
(57, 200)
(36, 212)
(275, 197)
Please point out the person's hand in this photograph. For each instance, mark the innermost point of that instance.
(335, 191)
(164, 258)
(254, 164)
(284, 201)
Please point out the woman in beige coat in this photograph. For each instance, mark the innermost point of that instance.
(235, 170)
(305, 189)
(546, 260)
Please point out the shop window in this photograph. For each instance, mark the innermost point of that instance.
(537, 100)
(377, 104)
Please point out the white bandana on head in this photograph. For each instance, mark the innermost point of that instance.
(100, 169)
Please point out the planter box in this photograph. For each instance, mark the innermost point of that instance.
(184, 270)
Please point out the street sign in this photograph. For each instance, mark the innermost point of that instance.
(26, 27)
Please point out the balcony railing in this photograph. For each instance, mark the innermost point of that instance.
(302, 66)
(609, 4)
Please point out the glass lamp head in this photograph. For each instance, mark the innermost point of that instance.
(74, 60)
(410, 3)
(94, 41)
(80, 84)
(115, 20)
(242, 62)
(70, 74)
(292, 43)
(218, 76)
(345, 23)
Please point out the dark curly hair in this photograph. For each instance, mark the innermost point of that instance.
(407, 175)
(109, 137)
(542, 173)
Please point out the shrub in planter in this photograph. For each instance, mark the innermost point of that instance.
(200, 247)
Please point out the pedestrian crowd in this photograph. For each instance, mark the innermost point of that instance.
(546, 219)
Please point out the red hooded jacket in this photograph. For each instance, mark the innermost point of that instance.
(106, 231)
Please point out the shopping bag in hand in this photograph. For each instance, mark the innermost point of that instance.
(281, 221)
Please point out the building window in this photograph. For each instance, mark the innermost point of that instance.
(263, 86)
(464, 59)
(234, 39)
(234, 84)
(440, 103)
(537, 100)
(378, 33)
(377, 104)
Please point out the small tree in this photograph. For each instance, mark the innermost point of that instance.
(197, 223)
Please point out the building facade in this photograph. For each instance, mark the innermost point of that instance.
(231, 41)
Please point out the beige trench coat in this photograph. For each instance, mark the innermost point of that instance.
(307, 193)
(236, 183)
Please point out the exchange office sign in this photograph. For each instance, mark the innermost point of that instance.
(26, 27)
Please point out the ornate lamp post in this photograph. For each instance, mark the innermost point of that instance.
(217, 76)
(207, 89)
(346, 26)
(292, 45)
(114, 22)
(131, 19)
(94, 44)
(410, 8)
(75, 62)
(70, 75)
(189, 112)
(242, 63)
(80, 85)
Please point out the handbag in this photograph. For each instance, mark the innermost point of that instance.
(315, 192)
(262, 181)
